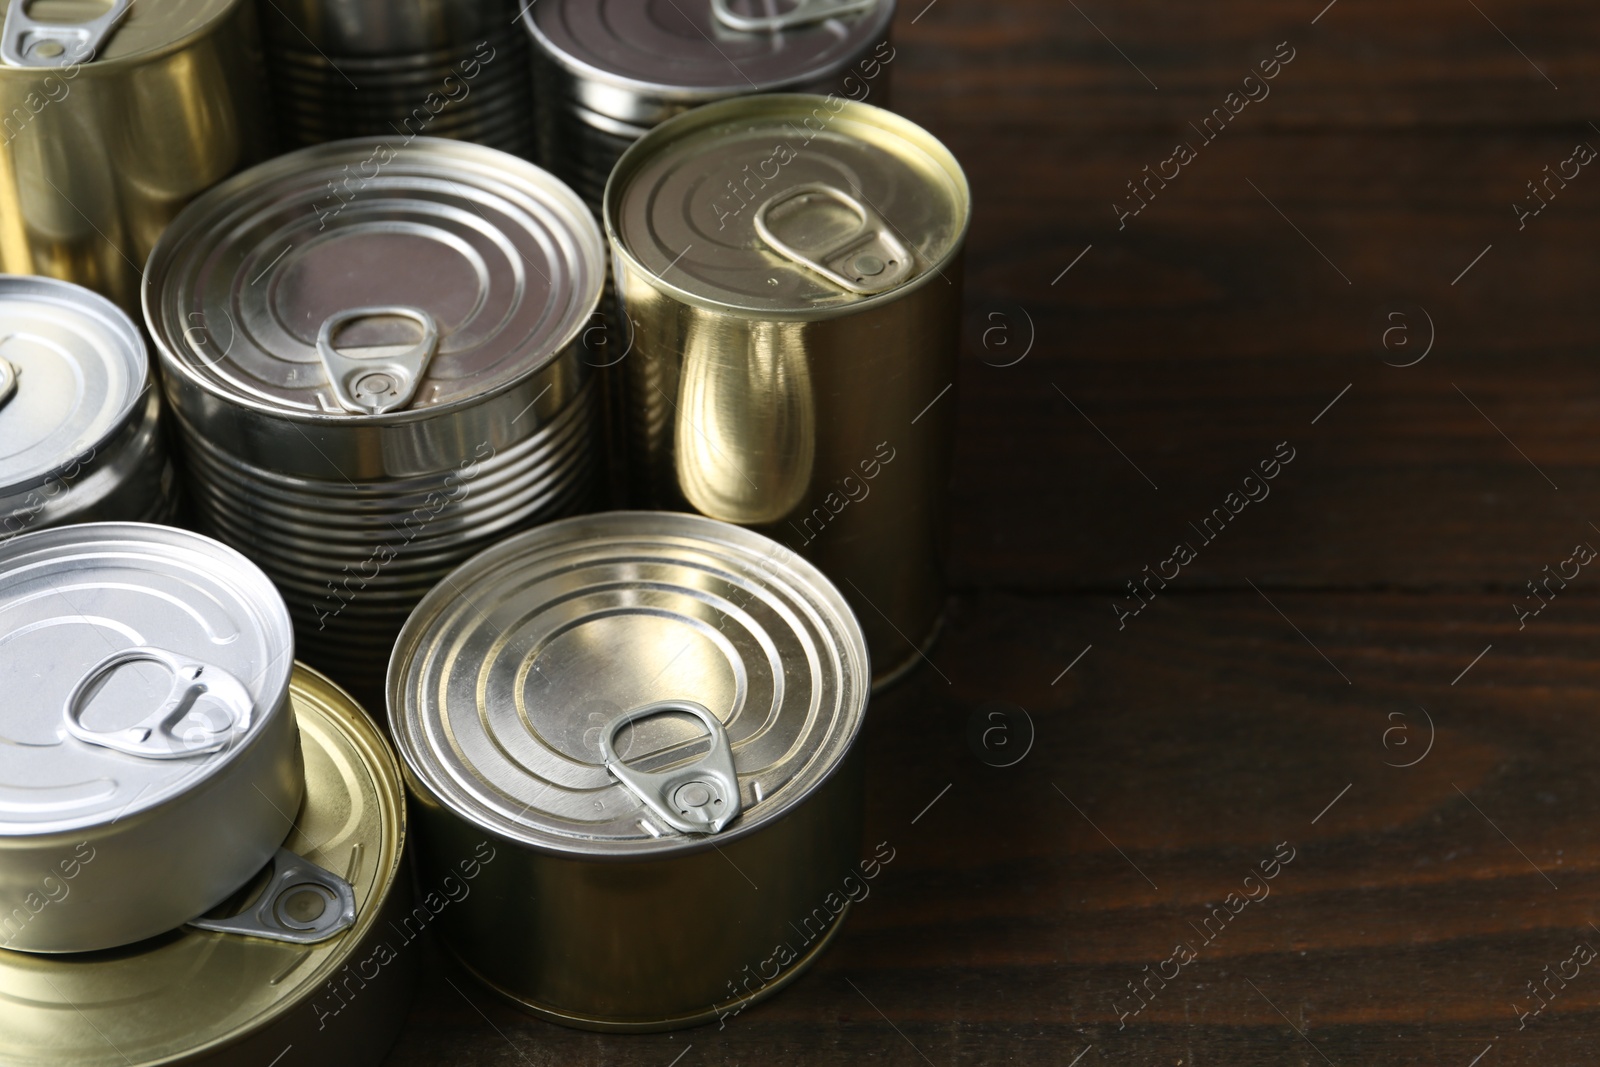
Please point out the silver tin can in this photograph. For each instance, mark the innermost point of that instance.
(374, 384)
(149, 755)
(792, 266)
(607, 71)
(652, 717)
(80, 417)
(403, 68)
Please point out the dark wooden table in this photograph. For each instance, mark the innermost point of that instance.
(1340, 673)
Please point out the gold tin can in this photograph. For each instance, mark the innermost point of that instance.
(791, 268)
(193, 997)
(111, 121)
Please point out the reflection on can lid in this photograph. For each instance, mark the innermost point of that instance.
(682, 51)
(508, 672)
(140, 31)
(787, 204)
(175, 998)
(115, 622)
(358, 248)
(76, 368)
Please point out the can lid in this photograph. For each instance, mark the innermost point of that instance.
(691, 51)
(370, 279)
(72, 370)
(787, 204)
(66, 33)
(510, 679)
(148, 657)
(175, 998)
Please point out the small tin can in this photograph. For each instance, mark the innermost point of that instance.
(198, 997)
(652, 718)
(109, 125)
(401, 68)
(80, 417)
(148, 751)
(792, 267)
(375, 383)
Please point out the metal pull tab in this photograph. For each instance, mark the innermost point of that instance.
(802, 14)
(701, 798)
(26, 42)
(154, 737)
(8, 380)
(803, 225)
(379, 384)
(301, 904)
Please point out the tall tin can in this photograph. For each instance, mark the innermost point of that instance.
(651, 717)
(80, 417)
(149, 762)
(374, 384)
(400, 68)
(792, 267)
(108, 127)
(206, 998)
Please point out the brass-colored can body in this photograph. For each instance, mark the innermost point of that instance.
(98, 155)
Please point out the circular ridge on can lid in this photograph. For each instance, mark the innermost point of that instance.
(507, 673)
(73, 368)
(85, 614)
(142, 31)
(191, 994)
(683, 52)
(471, 267)
(788, 204)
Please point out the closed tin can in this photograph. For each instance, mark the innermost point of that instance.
(109, 126)
(372, 385)
(651, 716)
(149, 755)
(402, 69)
(196, 997)
(80, 417)
(792, 266)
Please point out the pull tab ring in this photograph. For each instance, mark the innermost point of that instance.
(27, 42)
(867, 259)
(377, 385)
(8, 380)
(700, 798)
(154, 737)
(802, 14)
(332, 905)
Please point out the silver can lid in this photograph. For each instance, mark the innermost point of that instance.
(686, 52)
(72, 370)
(513, 676)
(374, 279)
(787, 204)
(143, 659)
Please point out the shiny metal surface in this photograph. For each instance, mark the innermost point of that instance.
(98, 155)
(192, 998)
(503, 685)
(356, 515)
(171, 787)
(764, 392)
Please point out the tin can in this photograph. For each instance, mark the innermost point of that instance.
(375, 383)
(792, 266)
(196, 997)
(651, 716)
(109, 126)
(80, 417)
(149, 756)
(402, 68)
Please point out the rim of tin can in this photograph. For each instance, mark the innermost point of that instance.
(195, 19)
(743, 113)
(555, 216)
(83, 314)
(342, 744)
(642, 566)
(863, 29)
(31, 566)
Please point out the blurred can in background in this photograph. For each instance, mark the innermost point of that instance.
(792, 265)
(80, 417)
(112, 117)
(371, 352)
(406, 68)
